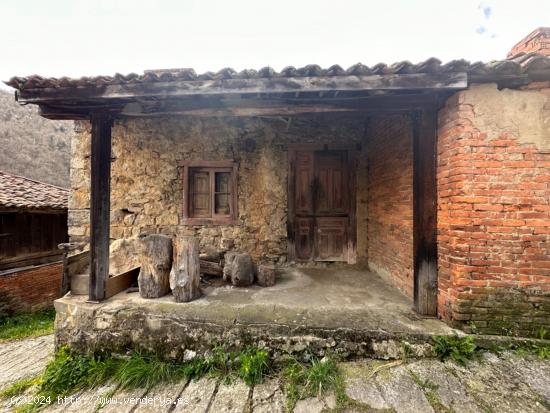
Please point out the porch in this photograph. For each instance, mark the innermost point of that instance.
(340, 308)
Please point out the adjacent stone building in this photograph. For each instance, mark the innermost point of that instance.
(435, 176)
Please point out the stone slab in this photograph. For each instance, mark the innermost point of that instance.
(24, 358)
(268, 397)
(124, 401)
(162, 398)
(196, 397)
(230, 398)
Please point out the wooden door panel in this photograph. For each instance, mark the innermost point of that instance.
(304, 238)
(321, 204)
(330, 173)
(331, 242)
(304, 183)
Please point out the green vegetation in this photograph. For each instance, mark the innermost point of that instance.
(19, 387)
(541, 350)
(69, 372)
(27, 325)
(315, 378)
(459, 349)
(254, 365)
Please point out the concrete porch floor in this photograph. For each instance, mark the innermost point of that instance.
(343, 308)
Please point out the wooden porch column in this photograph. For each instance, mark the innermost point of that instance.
(425, 211)
(100, 200)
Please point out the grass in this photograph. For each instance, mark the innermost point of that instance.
(315, 378)
(459, 349)
(25, 325)
(19, 387)
(69, 372)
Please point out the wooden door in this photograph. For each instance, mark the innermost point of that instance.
(321, 205)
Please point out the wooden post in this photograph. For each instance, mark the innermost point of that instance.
(425, 211)
(100, 200)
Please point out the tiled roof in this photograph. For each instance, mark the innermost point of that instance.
(524, 64)
(19, 192)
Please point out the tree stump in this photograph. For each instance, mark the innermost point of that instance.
(185, 275)
(238, 268)
(266, 275)
(156, 261)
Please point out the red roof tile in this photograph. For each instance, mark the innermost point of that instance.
(19, 192)
(522, 64)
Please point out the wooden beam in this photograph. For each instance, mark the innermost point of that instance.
(100, 193)
(417, 81)
(240, 107)
(425, 211)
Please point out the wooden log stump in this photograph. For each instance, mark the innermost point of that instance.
(239, 269)
(156, 261)
(185, 273)
(266, 275)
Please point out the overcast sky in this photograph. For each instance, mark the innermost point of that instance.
(82, 38)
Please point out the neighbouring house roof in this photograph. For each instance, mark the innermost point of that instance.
(521, 65)
(23, 193)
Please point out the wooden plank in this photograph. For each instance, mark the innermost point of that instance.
(425, 211)
(281, 105)
(24, 260)
(100, 194)
(121, 282)
(417, 81)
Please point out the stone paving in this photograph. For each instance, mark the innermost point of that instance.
(505, 383)
(24, 358)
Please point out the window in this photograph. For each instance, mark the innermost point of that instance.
(210, 192)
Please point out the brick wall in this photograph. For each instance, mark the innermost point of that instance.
(31, 289)
(538, 41)
(390, 207)
(494, 209)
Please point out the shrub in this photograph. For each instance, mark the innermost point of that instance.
(459, 349)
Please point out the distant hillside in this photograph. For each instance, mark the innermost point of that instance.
(32, 146)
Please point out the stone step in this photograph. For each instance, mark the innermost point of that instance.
(80, 284)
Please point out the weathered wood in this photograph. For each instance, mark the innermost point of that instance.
(211, 268)
(100, 196)
(29, 238)
(121, 282)
(185, 273)
(65, 281)
(25, 260)
(156, 262)
(239, 269)
(321, 212)
(276, 105)
(425, 211)
(266, 275)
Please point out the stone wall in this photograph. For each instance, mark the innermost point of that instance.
(147, 192)
(390, 200)
(494, 209)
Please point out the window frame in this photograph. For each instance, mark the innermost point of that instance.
(212, 167)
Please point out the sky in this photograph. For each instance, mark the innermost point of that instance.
(102, 37)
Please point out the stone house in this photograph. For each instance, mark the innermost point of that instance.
(437, 177)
